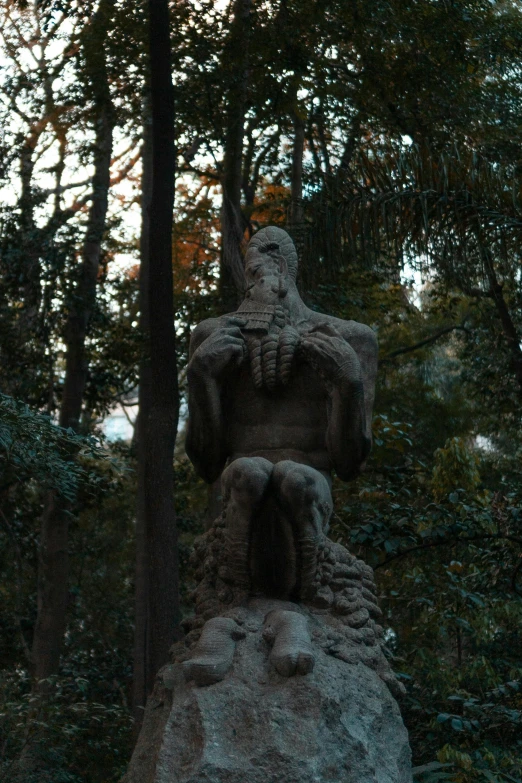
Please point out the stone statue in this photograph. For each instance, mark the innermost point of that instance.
(280, 396)
(283, 395)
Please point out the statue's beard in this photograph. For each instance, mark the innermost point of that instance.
(271, 338)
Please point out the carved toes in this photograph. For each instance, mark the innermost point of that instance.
(292, 651)
(284, 662)
(305, 662)
(214, 652)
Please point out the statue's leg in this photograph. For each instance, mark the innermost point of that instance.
(305, 495)
(292, 651)
(244, 483)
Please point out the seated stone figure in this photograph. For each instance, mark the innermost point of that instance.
(279, 397)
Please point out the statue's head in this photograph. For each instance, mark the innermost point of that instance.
(271, 251)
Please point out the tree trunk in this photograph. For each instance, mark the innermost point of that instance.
(30, 271)
(160, 427)
(295, 220)
(76, 365)
(141, 582)
(233, 223)
(53, 559)
(508, 326)
(52, 591)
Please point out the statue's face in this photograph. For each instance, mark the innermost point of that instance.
(263, 262)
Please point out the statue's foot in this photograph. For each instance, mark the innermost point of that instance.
(292, 651)
(214, 651)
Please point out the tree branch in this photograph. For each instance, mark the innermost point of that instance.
(192, 169)
(427, 341)
(510, 331)
(122, 173)
(250, 187)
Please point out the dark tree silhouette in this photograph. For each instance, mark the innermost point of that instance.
(159, 411)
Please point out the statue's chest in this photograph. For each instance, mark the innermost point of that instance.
(301, 402)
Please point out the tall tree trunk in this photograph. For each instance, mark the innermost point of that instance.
(233, 224)
(52, 591)
(53, 559)
(160, 427)
(30, 271)
(508, 327)
(295, 218)
(141, 581)
(76, 364)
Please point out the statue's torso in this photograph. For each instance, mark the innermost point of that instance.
(288, 423)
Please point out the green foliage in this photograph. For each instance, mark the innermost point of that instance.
(86, 736)
(456, 467)
(33, 449)
(447, 572)
(440, 520)
(38, 457)
(82, 723)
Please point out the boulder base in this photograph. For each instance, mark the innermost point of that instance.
(338, 724)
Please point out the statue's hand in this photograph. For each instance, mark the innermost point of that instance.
(333, 358)
(225, 347)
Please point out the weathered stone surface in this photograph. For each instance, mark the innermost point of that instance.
(349, 616)
(337, 724)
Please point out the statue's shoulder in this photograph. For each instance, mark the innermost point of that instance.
(361, 337)
(204, 329)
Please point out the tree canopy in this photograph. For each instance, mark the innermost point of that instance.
(386, 138)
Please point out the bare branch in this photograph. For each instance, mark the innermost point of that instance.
(63, 188)
(122, 173)
(271, 142)
(190, 152)
(194, 170)
(25, 44)
(131, 145)
(54, 29)
(11, 50)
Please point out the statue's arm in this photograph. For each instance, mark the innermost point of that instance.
(349, 436)
(364, 342)
(215, 346)
(345, 354)
(204, 442)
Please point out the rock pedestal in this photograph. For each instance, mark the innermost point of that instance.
(337, 724)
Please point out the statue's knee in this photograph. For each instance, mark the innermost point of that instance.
(246, 478)
(283, 469)
(302, 485)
